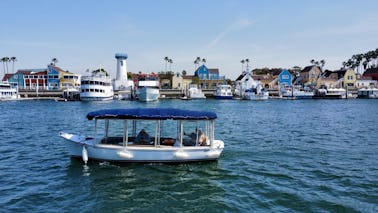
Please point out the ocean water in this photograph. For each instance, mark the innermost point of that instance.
(279, 156)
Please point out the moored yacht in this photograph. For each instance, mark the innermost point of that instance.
(195, 93)
(296, 92)
(7, 92)
(148, 87)
(367, 93)
(330, 93)
(97, 87)
(223, 92)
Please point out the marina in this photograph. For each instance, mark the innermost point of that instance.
(277, 154)
(189, 106)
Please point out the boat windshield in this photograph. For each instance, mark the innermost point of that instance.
(129, 132)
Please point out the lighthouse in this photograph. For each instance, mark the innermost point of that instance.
(121, 67)
(122, 85)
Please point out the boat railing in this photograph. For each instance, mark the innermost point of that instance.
(166, 141)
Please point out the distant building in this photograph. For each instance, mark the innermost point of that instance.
(349, 80)
(309, 75)
(50, 78)
(371, 72)
(36, 80)
(285, 78)
(366, 82)
(166, 80)
(209, 78)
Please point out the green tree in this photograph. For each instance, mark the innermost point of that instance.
(195, 80)
(13, 59)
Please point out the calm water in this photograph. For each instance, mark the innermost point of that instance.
(280, 155)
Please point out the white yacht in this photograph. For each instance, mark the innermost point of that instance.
(296, 92)
(7, 92)
(195, 93)
(223, 92)
(331, 93)
(97, 87)
(148, 87)
(367, 93)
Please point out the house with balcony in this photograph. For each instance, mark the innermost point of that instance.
(209, 78)
(59, 79)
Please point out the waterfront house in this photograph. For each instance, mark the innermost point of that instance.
(329, 79)
(166, 79)
(60, 79)
(365, 82)
(349, 80)
(266, 80)
(285, 78)
(372, 72)
(180, 81)
(209, 78)
(36, 80)
(309, 75)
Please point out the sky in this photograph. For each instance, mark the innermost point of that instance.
(86, 34)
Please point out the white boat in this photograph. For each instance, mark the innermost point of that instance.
(296, 93)
(223, 92)
(148, 87)
(252, 90)
(195, 93)
(330, 93)
(97, 87)
(115, 137)
(249, 89)
(7, 92)
(367, 93)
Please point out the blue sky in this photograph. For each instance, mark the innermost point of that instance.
(86, 34)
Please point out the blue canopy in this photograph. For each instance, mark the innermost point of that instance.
(152, 114)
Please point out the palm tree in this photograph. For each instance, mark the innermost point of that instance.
(166, 60)
(5, 61)
(247, 62)
(196, 62)
(312, 61)
(54, 61)
(170, 61)
(242, 62)
(184, 73)
(203, 61)
(13, 59)
(322, 63)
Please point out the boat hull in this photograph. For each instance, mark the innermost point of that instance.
(143, 153)
(95, 98)
(253, 96)
(222, 97)
(148, 94)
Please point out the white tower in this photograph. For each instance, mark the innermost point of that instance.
(121, 67)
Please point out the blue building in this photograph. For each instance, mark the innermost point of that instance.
(52, 78)
(285, 78)
(209, 78)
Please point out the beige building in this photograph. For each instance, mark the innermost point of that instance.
(181, 82)
(309, 75)
(350, 79)
(68, 79)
